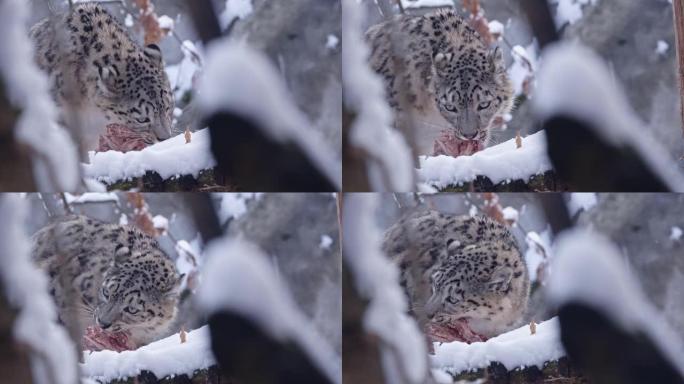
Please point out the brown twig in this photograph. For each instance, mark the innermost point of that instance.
(678, 6)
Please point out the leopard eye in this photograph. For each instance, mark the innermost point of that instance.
(131, 310)
(450, 107)
(104, 292)
(143, 121)
(484, 105)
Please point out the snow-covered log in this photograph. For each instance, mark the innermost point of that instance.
(24, 289)
(182, 163)
(36, 153)
(506, 167)
(257, 333)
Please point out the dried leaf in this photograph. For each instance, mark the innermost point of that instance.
(533, 327)
(148, 19)
(183, 335)
(518, 140)
(141, 216)
(188, 136)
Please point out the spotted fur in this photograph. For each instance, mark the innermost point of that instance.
(123, 82)
(121, 278)
(452, 80)
(460, 267)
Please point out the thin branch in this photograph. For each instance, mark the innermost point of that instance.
(678, 6)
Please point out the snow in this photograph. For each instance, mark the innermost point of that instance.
(496, 28)
(581, 201)
(426, 3)
(662, 47)
(235, 9)
(538, 251)
(675, 233)
(525, 63)
(510, 214)
(589, 269)
(326, 242)
(377, 279)
(574, 81)
(233, 205)
(160, 223)
(514, 349)
(332, 41)
(499, 163)
(182, 76)
(53, 359)
(390, 165)
(163, 358)
(257, 91)
(238, 277)
(165, 22)
(128, 20)
(55, 164)
(172, 157)
(189, 258)
(91, 197)
(569, 11)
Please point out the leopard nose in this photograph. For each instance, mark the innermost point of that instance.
(103, 324)
(470, 135)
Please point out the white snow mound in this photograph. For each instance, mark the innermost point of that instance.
(514, 349)
(499, 163)
(590, 270)
(237, 277)
(163, 358)
(575, 82)
(172, 157)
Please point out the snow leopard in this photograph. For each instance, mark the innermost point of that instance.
(454, 85)
(122, 281)
(465, 277)
(121, 83)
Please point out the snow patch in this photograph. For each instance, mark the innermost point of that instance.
(166, 22)
(26, 288)
(240, 80)
(574, 81)
(538, 251)
(426, 3)
(55, 164)
(235, 9)
(326, 242)
(675, 233)
(91, 197)
(581, 201)
(372, 129)
(514, 349)
(172, 157)
(607, 285)
(499, 163)
(569, 11)
(163, 358)
(377, 279)
(238, 277)
(233, 205)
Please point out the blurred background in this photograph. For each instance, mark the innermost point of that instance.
(637, 40)
(299, 232)
(647, 228)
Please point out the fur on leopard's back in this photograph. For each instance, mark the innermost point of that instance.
(453, 83)
(454, 267)
(117, 80)
(120, 278)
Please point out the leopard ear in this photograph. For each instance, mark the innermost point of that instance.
(496, 60)
(500, 279)
(442, 60)
(107, 79)
(153, 52)
(173, 289)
